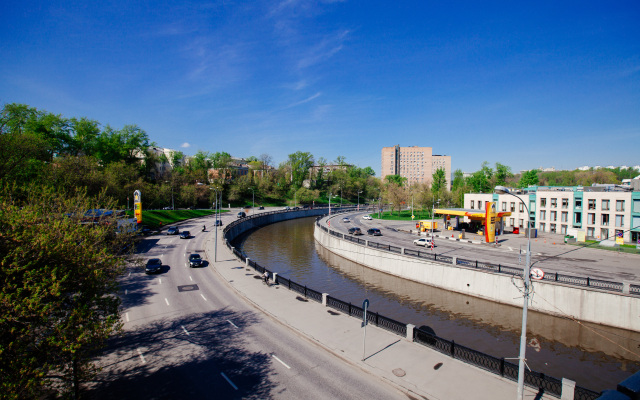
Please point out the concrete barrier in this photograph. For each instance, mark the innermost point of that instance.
(618, 310)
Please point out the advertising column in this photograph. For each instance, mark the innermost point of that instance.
(490, 222)
(137, 206)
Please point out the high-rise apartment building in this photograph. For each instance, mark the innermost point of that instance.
(417, 164)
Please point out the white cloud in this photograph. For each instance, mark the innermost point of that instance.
(308, 99)
(185, 145)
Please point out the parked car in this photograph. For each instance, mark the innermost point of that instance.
(195, 260)
(173, 231)
(374, 232)
(346, 219)
(355, 231)
(423, 242)
(154, 265)
(367, 217)
(185, 235)
(261, 208)
(242, 214)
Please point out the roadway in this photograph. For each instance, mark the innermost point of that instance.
(548, 251)
(186, 334)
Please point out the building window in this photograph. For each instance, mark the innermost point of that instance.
(636, 206)
(520, 223)
(565, 216)
(578, 203)
(605, 220)
(565, 203)
(521, 208)
(563, 229)
(552, 228)
(590, 232)
(513, 206)
(504, 206)
(511, 222)
(591, 219)
(543, 202)
(605, 205)
(554, 203)
(554, 215)
(578, 218)
(619, 205)
(592, 204)
(543, 214)
(542, 227)
(472, 203)
(620, 220)
(604, 234)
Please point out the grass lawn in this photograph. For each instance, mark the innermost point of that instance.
(405, 215)
(157, 218)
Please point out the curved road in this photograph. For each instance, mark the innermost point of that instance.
(188, 335)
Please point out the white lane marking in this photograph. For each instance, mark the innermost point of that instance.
(281, 362)
(205, 299)
(185, 330)
(126, 316)
(160, 280)
(190, 278)
(129, 273)
(229, 380)
(126, 292)
(233, 324)
(141, 356)
(167, 301)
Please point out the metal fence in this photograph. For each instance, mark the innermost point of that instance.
(500, 366)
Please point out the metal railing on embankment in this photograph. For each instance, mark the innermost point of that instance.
(571, 280)
(538, 380)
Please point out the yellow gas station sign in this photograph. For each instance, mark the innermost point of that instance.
(137, 206)
(490, 222)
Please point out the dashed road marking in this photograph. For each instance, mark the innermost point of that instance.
(233, 324)
(190, 278)
(160, 280)
(141, 356)
(185, 330)
(166, 301)
(280, 361)
(229, 381)
(205, 299)
(126, 291)
(126, 316)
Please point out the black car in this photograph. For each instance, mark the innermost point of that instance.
(355, 231)
(374, 232)
(185, 235)
(173, 231)
(154, 265)
(242, 214)
(261, 208)
(218, 222)
(296, 208)
(195, 260)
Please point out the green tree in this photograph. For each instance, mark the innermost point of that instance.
(58, 286)
(501, 175)
(395, 195)
(439, 181)
(299, 163)
(397, 179)
(529, 178)
(458, 179)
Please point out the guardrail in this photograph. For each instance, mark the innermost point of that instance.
(572, 280)
(500, 366)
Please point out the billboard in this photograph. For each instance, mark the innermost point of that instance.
(490, 222)
(137, 206)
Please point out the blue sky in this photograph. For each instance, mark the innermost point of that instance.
(528, 85)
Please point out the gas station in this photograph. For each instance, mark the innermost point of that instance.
(485, 222)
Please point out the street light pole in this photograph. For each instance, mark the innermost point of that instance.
(359, 191)
(340, 196)
(253, 198)
(329, 203)
(526, 291)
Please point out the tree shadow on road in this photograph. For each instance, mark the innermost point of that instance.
(184, 357)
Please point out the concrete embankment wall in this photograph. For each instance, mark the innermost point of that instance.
(619, 310)
(239, 227)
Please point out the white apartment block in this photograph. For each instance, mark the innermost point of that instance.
(602, 212)
(417, 164)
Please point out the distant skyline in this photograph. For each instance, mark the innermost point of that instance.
(546, 84)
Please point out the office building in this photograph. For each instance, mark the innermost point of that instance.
(417, 164)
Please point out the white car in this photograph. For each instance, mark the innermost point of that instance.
(423, 242)
(345, 219)
(367, 217)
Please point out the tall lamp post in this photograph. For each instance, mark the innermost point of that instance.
(433, 209)
(340, 196)
(172, 204)
(329, 203)
(526, 291)
(218, 200)
(359, 191)
(253, 199)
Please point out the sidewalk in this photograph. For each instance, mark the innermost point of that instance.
(409, 366)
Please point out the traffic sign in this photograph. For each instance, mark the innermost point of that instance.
(537, 274)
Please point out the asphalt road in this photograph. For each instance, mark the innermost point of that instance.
(187, 334)
(548, 251)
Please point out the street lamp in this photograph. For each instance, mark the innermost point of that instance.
(172, 204)
(359, 191)
(218, 200)
(329, 203)
(253, 199)
(433, 209)
(525, 295)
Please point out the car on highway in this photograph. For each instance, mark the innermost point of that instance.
(346, 219)
(173, 231)
(242, 214)
(195, 260)
(423, 242)
(287, 208)
(367, 217)
(374, 232)
(355, 231)
(167, 208)
(261, 208)
(185, 235)
(154, 265)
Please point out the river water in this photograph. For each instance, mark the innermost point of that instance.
(596, 357)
